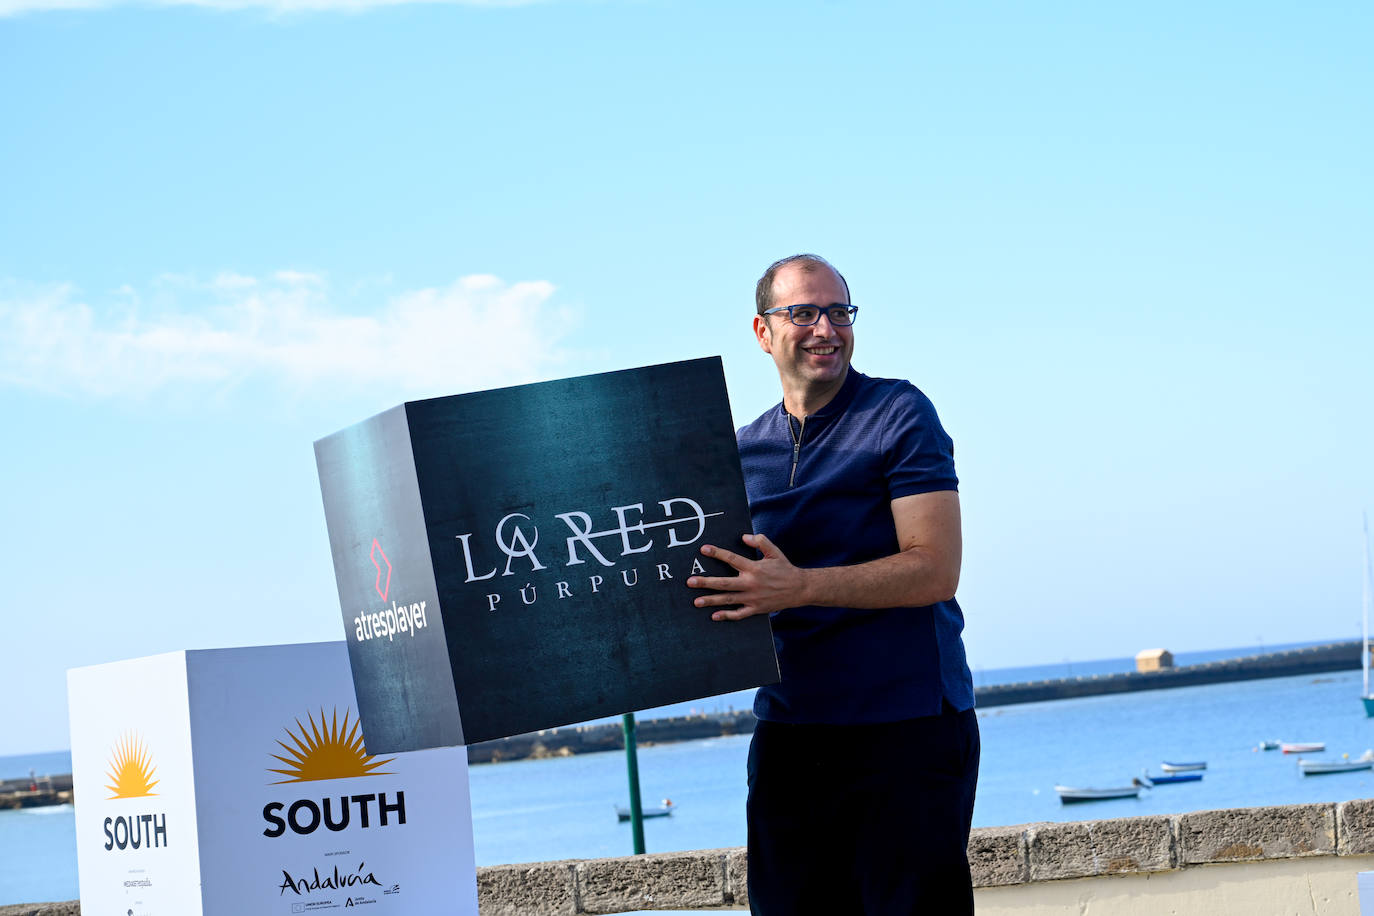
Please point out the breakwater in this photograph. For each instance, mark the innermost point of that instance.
(35, 792)
(582, 739)
(1336, 656)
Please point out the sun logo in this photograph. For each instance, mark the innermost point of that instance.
(329, 750)
(131, 769)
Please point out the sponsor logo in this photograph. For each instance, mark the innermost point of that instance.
(131, 775)
(398, 620)
(376, 552)
(131, 769)
(329, 749)
(332, 880)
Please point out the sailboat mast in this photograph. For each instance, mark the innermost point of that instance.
(1365, 644)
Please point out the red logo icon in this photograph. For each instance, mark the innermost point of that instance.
(376, 552)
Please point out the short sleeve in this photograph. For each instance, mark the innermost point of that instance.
(918, 455)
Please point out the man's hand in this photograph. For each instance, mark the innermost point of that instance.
(762, 586)
(924, 570)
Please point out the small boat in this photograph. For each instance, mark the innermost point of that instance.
(1173, 777)
(662, 810)
(1269, 745)
(1071, 794)
(1345, 765)
(1168, 767)
(1303, 747)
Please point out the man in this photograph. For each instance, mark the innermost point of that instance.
(863, 766)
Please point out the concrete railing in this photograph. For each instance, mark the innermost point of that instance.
(1292, 859)
(1047, 868)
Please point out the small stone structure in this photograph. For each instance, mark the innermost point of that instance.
(1305, 845)
(1153, 660)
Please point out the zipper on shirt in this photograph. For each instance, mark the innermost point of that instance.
(796, 445)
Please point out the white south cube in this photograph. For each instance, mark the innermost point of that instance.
(234, 781)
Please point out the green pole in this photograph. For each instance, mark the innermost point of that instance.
(632, 765)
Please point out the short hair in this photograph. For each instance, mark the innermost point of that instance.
(763, 292)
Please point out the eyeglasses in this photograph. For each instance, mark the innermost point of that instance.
(841, 316)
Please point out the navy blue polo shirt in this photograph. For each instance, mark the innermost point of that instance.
(877, 440)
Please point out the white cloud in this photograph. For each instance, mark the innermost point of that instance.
(478, 332)
(228, 280)
(298, 278)
(16, 7)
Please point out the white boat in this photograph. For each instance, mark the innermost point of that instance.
(1303, 747)
(1168, 767)
(662, 810)
(1345, 765)
(1269, 745)
(1070, 794)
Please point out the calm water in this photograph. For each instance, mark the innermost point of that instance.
(37, 855)
(540, 810)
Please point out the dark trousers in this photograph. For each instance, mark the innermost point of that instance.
(870, 820)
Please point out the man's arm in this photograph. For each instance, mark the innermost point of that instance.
(923, 571)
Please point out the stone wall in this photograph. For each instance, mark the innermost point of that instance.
(1311, 852)
(1334, 837)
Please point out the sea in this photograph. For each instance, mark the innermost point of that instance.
(563, 808)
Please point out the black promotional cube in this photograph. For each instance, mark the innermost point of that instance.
(516, 559)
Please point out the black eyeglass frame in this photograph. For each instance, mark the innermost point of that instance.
(850, 311)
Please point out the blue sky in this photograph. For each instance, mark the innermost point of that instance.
(1125, 248)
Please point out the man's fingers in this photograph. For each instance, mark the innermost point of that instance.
(738, 613)
(726, 556)
(718, 583)
(764, 546)
(731, 586)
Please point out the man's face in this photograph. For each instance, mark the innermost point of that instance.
(809, 358)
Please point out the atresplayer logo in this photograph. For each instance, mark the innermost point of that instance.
(131, 776)
(584, 544)
(393, 621)
(328, 749)
(376, 552)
